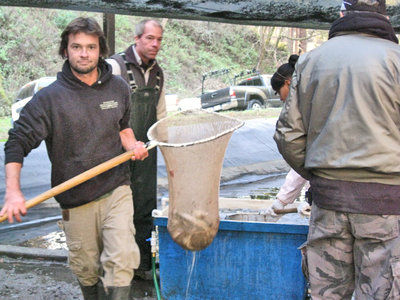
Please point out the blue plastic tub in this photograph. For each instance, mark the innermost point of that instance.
(246, 260)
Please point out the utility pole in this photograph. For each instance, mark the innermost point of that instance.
(109, 31)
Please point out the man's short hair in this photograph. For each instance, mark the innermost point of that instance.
(85, 25)
(139, 28)
(378, 6)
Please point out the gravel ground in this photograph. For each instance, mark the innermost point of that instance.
(32, 279)
(35, 279)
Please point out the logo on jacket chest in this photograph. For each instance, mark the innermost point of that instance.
(109, 104)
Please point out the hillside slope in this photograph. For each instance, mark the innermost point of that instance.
(29, 40)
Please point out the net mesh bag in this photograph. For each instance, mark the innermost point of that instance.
(193, 143)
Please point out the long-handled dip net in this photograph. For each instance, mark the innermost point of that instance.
(193, 144)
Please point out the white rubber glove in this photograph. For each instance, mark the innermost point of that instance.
(304, 208)
(275, 205)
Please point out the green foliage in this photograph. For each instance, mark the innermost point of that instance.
(29, 47)
(62, 19)
(5, 125)
(191, 48)
(29, 40)
(125, 31)
(27, 51)
(5, 102)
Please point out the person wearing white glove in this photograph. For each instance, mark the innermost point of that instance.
(289, 191)
(294, 183)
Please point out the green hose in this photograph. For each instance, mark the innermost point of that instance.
(153, 262)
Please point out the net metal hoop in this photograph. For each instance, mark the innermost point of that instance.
(222, 133)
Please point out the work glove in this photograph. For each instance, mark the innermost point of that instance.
(277, 204)
(304, 208)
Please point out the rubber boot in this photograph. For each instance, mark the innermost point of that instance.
(89, 292)
(101, 294)
(118, 292)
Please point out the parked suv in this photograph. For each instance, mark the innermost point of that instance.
(254, 92)
(26, 93)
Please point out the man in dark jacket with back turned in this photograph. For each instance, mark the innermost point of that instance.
(138, 66)
(84, 119)
(340, 128)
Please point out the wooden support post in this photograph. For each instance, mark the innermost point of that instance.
(109, 31)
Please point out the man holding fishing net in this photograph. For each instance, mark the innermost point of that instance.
(84, 119)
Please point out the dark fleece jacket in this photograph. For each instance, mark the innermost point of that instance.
(80, 125)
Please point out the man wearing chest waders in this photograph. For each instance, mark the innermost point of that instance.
(84, 119)
(138, 66)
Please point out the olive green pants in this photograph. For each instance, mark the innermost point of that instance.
(101, 239)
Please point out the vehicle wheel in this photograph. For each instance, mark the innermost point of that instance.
(254, 104)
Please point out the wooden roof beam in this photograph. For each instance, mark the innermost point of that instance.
(315, 14)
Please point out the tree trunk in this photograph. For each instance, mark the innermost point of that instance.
(109, 31)
(278, 39)
(269, 36)
(291, 46)
(265, 40)
(303, 40)
(261, 51)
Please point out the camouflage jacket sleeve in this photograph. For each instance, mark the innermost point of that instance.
(290, 135)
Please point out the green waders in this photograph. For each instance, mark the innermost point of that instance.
(144, 173)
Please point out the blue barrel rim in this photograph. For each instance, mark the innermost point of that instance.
(233, 225)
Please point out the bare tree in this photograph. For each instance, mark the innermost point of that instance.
(290, 42)
(265, 40)
(303, 40)
(298, 40)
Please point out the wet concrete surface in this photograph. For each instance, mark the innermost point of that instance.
(15, 234)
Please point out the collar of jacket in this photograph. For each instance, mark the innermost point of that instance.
(67, 76)
(364, 22)
(131, 57)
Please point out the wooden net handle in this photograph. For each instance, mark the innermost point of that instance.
(78, 179)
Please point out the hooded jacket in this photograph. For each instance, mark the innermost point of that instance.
(341, 123)
(80, 125)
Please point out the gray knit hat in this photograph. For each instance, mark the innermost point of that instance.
(378, 6)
